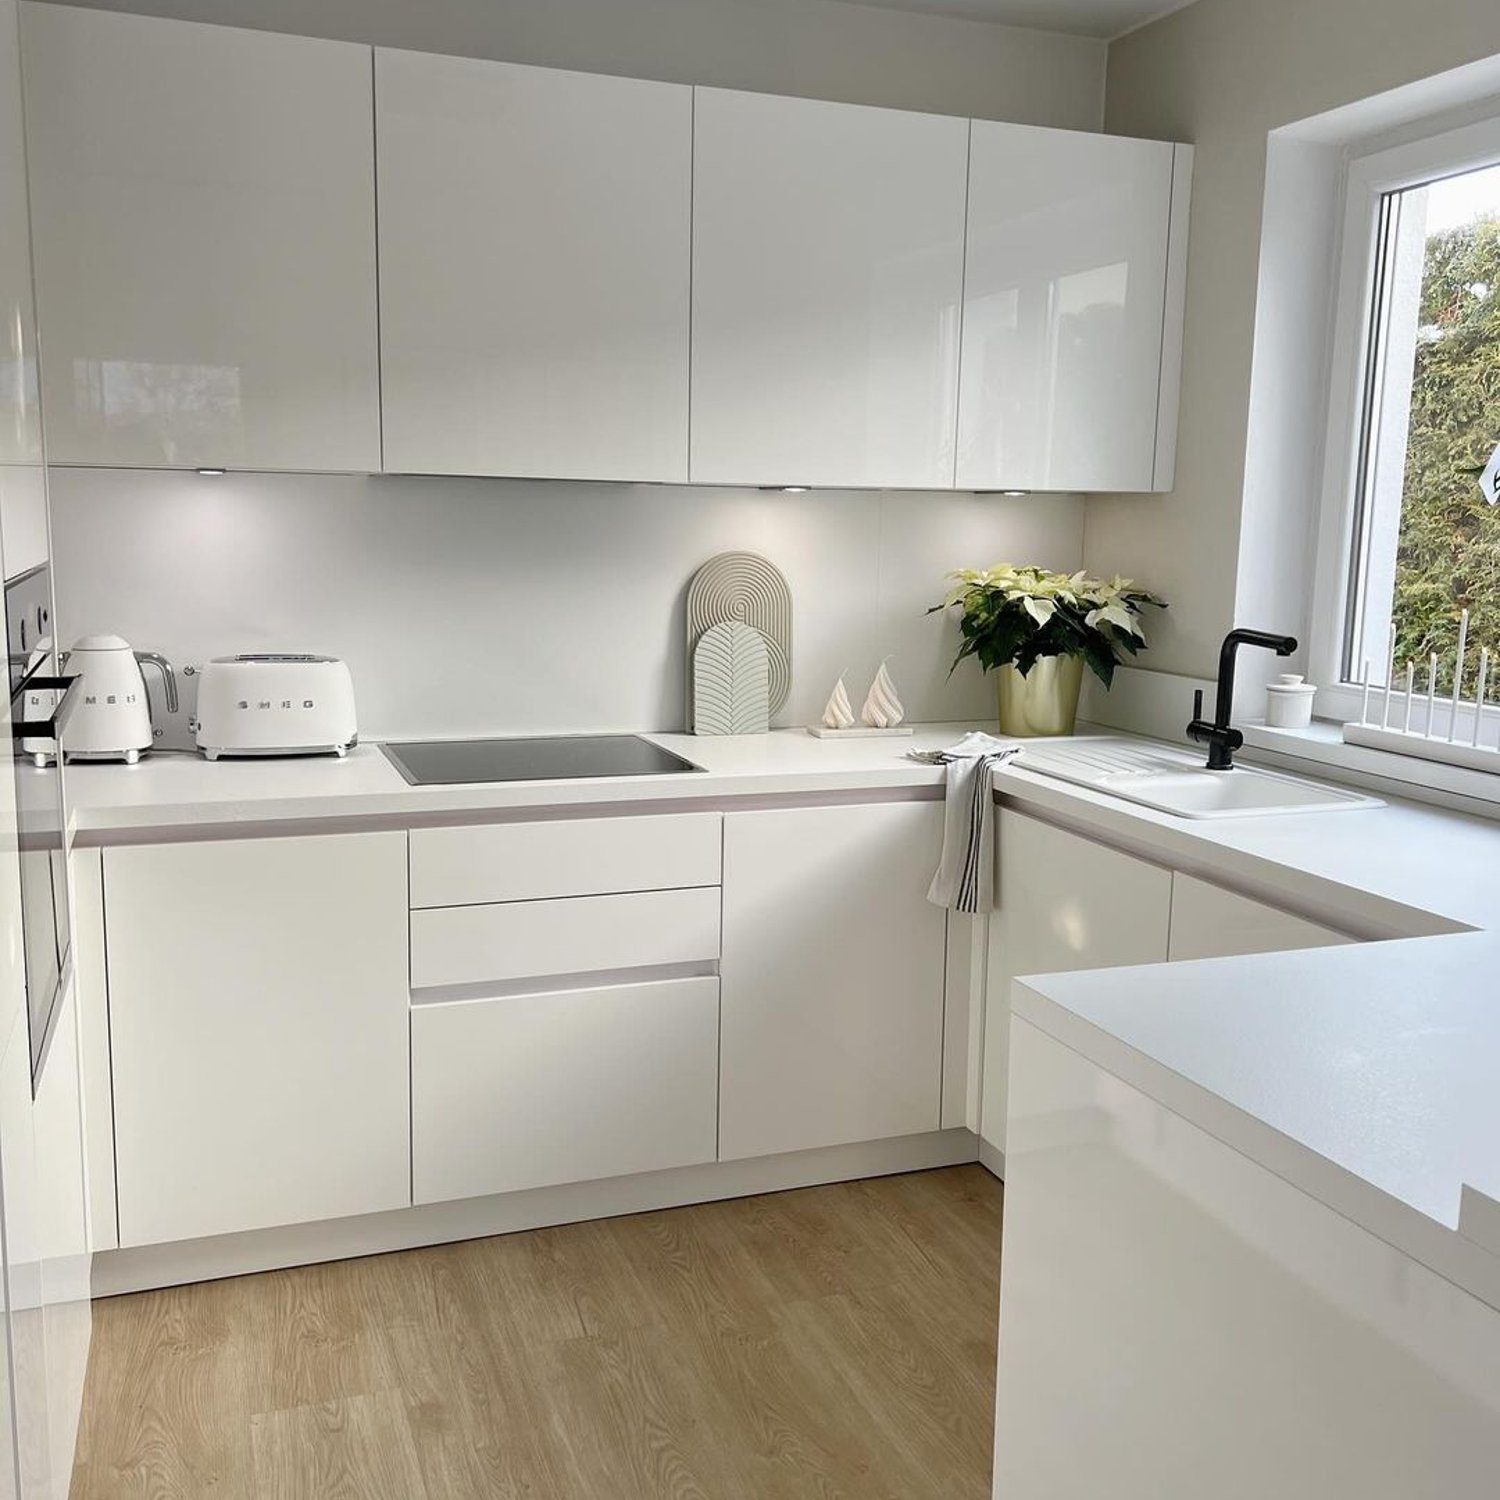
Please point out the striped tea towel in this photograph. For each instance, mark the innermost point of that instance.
(965, 879)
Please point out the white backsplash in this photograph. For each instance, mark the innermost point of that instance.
(473, 606)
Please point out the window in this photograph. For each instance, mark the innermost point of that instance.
(1412, 469)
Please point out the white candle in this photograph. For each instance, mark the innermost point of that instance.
(1411, 668)
(1431, 693)
(1484, 672)
(1458, 674)
(1390, 679)
(1364, 700)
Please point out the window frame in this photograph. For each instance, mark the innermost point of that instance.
(1368, 177)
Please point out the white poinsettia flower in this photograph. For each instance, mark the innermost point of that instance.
(1116, 615)
(1040, 610)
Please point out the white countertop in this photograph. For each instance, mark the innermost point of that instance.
(175, 794)
(1369, 1075)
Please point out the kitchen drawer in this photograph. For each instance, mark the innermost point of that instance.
(574, 857)
(531, 1090)
(579, 935)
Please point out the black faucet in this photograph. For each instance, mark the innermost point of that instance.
(1221, 739)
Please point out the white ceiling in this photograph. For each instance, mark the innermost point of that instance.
(1100, 18)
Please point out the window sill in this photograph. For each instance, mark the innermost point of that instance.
(1322, 744)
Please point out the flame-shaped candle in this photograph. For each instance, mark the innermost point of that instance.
(838, 713)
(882, 708)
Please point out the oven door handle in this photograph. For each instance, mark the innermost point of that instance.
(50, 727)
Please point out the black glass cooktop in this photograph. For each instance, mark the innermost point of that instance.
(544, 758)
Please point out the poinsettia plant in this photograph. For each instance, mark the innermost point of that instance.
(1012, 616)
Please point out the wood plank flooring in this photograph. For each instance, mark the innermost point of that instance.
(831, 1342)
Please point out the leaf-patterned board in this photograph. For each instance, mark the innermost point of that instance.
(731, 681)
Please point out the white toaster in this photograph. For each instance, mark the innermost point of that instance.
(275, 704)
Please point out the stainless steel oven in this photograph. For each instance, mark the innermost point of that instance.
(37, 696)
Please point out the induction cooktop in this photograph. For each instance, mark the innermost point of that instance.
(539, 758)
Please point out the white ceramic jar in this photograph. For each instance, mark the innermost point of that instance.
(1289, 702)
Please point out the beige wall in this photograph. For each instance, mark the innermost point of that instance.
(825, 49)
(1221, 74)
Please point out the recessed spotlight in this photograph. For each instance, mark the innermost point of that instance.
(785, 489)
(1015, 492)
(212, 471)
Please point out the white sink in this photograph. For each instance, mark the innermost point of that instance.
(1178, 782)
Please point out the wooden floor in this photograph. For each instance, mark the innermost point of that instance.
(835, 1341)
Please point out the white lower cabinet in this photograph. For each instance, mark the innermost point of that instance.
(1064, 902)
(518, 940)
(259, 1032)
(22, 1199)
(832, 977)
(525, 1091)
(62, 1229)
(1210, 922)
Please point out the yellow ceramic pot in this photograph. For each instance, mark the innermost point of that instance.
(1044, 701)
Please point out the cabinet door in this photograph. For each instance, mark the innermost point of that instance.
(1210, 922)
(1065, 297)
(258, 1022)
(204, 220)
(63, 1230)
(525, 1091)
(535, 233)
(831, 979)
(23, 1263)
(827, 277)
(1065, 903)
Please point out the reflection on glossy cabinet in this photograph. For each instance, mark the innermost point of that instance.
(831, 977)
(1064, 902)
(204, 222)
(1072, 310)
(259, 1032)
(827, 281)
(1210, 922)
(534, 270)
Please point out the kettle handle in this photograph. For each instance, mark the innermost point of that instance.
(169, 682)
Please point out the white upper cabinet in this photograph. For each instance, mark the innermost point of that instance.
(1072, 310)
(204, 222)
(827, 283)
(535, 233)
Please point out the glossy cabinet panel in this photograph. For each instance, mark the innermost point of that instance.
(1210, 922)
(22, 1204)
(1178, 1321)
(258, 1022)
(576, 935)
(530, 1091)
(1066, 291)
(23, 489)
(204, 223)
(827, 283)
(832, 977)
(534, 270)
(1064, 902)
(563, 857)
(63, 1234)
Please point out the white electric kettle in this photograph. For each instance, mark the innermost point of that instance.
(111, 719)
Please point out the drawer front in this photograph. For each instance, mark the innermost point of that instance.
(573, 857)
(581, 935)
(534, 1090)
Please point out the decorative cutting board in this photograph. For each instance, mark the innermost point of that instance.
(743, 587)
(731, 681)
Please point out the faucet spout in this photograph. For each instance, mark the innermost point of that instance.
(1220, 736)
